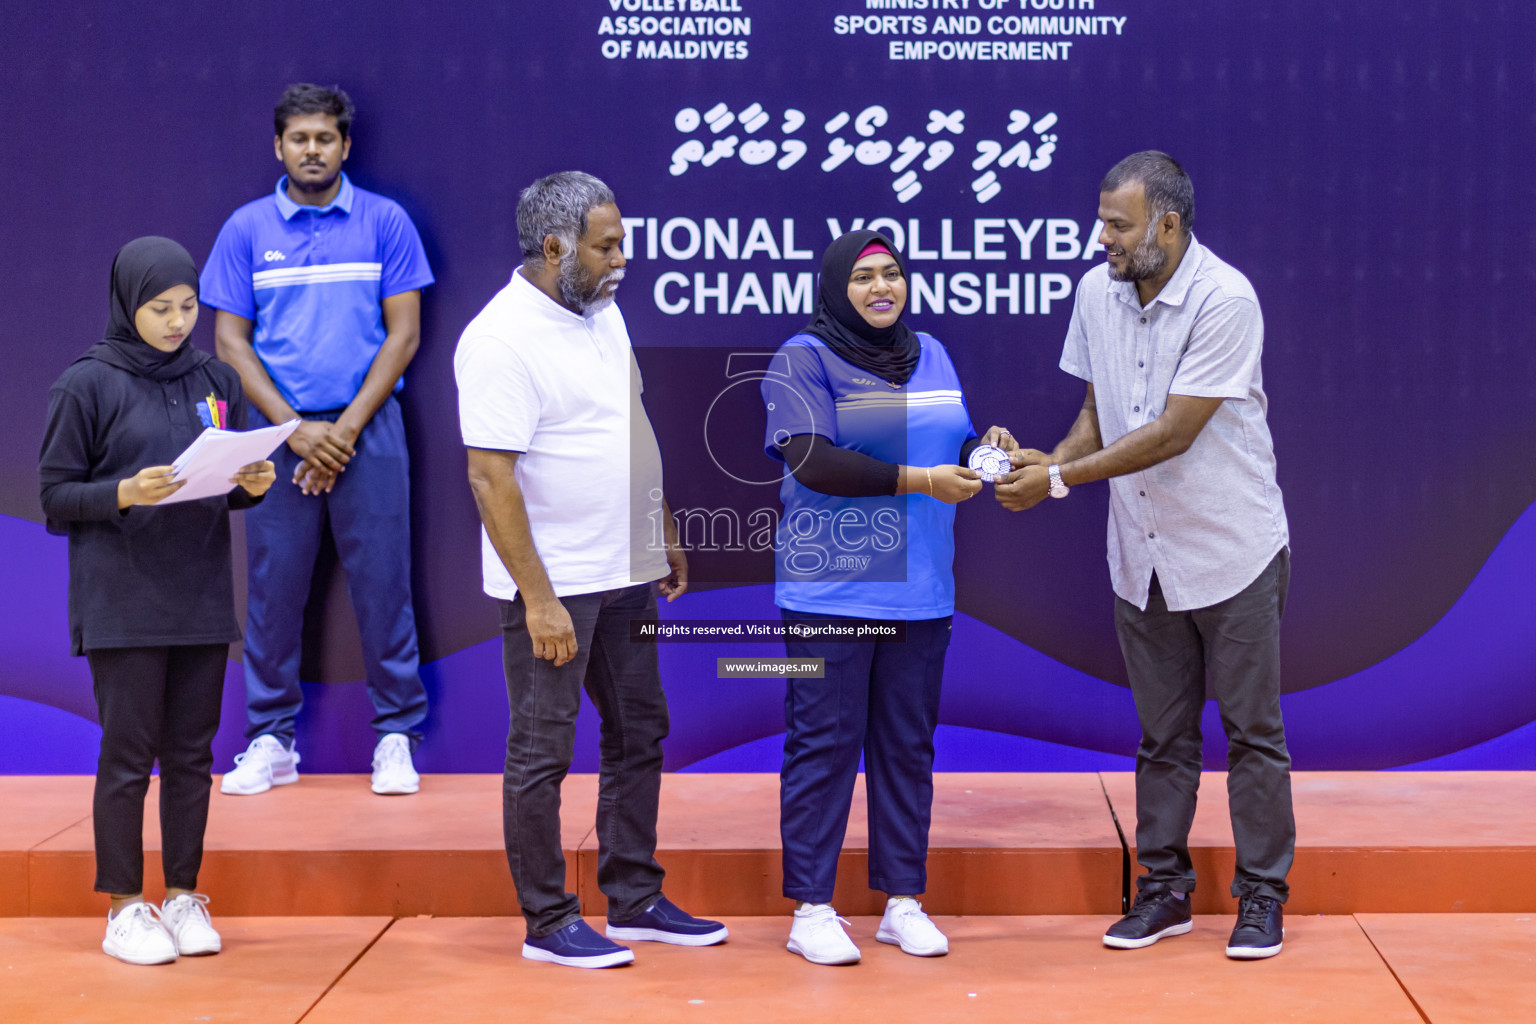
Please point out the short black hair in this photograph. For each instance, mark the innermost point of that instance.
(304, 98)
(1166, 186)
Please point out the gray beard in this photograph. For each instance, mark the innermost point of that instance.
(582, 294)
(1144, 262)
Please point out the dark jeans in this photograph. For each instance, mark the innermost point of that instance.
(369, 517)
(879, 699)
(154, 702)
(622, 679)
(1169, 655)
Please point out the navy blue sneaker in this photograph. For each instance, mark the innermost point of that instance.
(1154, 915)
(664, 922)
(576, 945)
(1260, 930)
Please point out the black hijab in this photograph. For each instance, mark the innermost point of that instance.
(144, 268)
(890, 353)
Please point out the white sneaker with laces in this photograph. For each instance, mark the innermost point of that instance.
(393, 772)
(136, 935)
(817, 934)
(265, 763)
(905, 925)
(186, 918)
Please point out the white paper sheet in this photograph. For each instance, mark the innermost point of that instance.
(217, 455)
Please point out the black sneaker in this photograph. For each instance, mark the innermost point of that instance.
(1259, 929)
(1153, 916)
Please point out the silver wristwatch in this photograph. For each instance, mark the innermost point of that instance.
(1058, 489)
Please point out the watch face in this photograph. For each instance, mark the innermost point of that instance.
(1059, 490)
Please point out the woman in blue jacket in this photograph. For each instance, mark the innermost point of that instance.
(869, 418)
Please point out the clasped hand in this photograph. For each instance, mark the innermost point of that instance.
(326, 448)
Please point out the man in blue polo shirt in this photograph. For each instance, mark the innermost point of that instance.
(318, 292)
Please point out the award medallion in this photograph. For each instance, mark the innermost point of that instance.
(990, 462)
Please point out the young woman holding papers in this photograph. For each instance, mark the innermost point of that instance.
(151, 595)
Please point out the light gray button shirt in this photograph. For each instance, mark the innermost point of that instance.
(1208, 521)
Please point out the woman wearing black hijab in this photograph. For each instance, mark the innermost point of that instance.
(869, 418)
(151, 594)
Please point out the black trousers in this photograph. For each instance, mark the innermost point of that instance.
(155, 703)
(1169, 656)
(622, 678)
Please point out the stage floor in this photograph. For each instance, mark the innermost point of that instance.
(1008, 843)
(338, 906)
(341, 970)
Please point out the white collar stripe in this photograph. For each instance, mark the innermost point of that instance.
(322, 272)
(884, 396)
(927, 398)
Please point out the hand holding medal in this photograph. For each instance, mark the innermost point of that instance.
(990, 458)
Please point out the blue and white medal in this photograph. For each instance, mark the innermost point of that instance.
(990, 462)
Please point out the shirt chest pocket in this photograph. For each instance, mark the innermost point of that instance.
(1168, 348)
(1169, 341)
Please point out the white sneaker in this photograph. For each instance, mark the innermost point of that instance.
(186, 918)
(265, 763)
(817, 934)
(905, 925)
(136, 935)
(393, 773)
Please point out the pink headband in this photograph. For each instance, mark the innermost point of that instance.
(871, 249)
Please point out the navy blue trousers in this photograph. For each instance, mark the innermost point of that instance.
(368, 515)
(879, 699)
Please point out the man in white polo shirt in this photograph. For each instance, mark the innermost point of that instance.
(1169, 339)
(567, 476)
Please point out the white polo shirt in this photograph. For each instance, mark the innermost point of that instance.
(1208, 521)
(564, 390)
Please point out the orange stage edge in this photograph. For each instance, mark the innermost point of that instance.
(1004, 843)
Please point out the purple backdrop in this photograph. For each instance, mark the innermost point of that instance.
(1366, 166)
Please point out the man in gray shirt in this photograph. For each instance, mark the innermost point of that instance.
(1168, 338)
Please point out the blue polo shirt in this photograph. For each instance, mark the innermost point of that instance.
(312, 278)
(889, 557)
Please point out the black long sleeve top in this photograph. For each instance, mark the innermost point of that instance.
(145, 576)
(822, 466)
